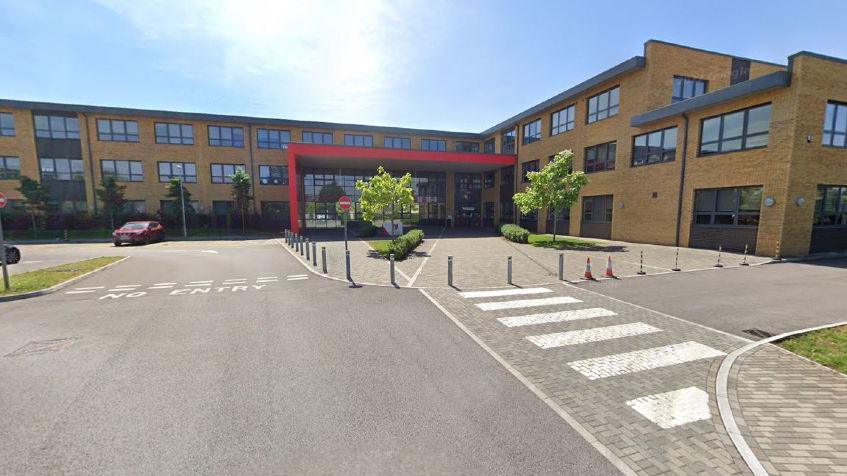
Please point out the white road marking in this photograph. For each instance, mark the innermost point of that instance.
(160, 287)
(647, 359)
(239, 280)
(674, 408)
(289, 279)
(90, 287)
(423, 262)
(198, 284)
(272, 277)
(209, 251)
(561, 339)
(164, 284)
(208, 281)
(80, 292)
(560, 316)
(127, 286)
(120, 289)
(503, 292)
(30, 262)
(493, 306)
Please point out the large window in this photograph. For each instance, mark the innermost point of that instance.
(61, 169)
(598, 209)
(527, 167)
(276, 211)
(123, 170)
(225, 136)
(272, 138)
(357, 140)
(532, 132)
(185, 171)
(7, 124)
(273, 175)
(488, 146)
(56, 127)
(117, 130)
(654, 147)
(462, 146)
(398, 142)
(835, 124)
(222, 173)
(135, 207)
(831, 206)
(739, 130)
(507, 141)
(488, 179)
(168, 133)
(562, 120)
(310, 137)
(600, 157)
(434, 144)
(736, 206)
(10, 168)
(686, 88)
(603, 105)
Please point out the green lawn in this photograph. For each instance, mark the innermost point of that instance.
(47, 277)
(381, 246)
(827, 347)
(561, 243)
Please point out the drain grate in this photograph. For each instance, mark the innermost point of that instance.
(758, 333)
(42, 347)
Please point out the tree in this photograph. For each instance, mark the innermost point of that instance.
(383, 192)
(241, 195)
(172, 191)
(555, 187)
(112, 195)
(36, 195)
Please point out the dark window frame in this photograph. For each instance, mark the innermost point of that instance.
(567, 125)
(832, 132)
(606, 159)
(440, 145)
(663, 152)
(6, 173)
(508, 140)
(131, 177)
(7, 130)
(529, 166)
(168, 138)
(734, 215)
(467, 146)
(528, 135)
(489, 146)
(223, 177)
(744, 135)
(683, 79)
(185, 178)
(269, 142)
(220, 141)
(607, 110)
(312, 134)
(78, 176)
(488, 180)
(269, 179)
(112, 136)
(67, 132)
(391, 142)
(839, 214)
(608, 212)
(366, 140)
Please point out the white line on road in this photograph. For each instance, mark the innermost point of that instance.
(90, 287)
(198, 284)
(127, 286)
(201, 282)
(79, 292)
(234, 280)
(560, 316)
(674, 408)
(271, 277)
(292, 276)
(301, 278)
(584, 336)
(503, 292)
(164, 284)
(494, 306)
(647, 359)
(423, 262)
(160, 287)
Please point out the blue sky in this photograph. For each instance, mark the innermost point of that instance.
(462, 65)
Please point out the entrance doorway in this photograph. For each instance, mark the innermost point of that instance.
(468, 200)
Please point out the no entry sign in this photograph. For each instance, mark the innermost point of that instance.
(3, 200)
(345, 203)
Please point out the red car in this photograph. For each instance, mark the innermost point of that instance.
(139, 232)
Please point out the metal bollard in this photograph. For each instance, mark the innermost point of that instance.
(676, 262)
(777, 256)
(744, 261)
(294, 244)
(641, 264)
(301, 245)
(391, 260)
(315, 254)
(347, 260)
(307, 250)
(561, 266)
(287, 236)
(323, 258)
(509, 270)
(718, 264)
(450, 271)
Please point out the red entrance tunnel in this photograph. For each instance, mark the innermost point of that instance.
(321, 155)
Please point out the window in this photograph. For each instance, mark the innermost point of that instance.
(532, 132)
(273, 175)
(123, 170)
(316, 137)
(527, 167)
(10, 168)
(600, 157)
(467, 146)
(686, 88)
(7, 124)
(736, 206)
(61, 169)
(398, 142)
(222, 207)
(835, 124)
(654, 147)
(167, 133)
(831, 206)
(225, 136)
(604, 105)
(117, 130)
(739, 130)
(272, 139)
(56, 127)
(488, 146)
(740, 71)
(434, 144)
(488, 179)
(185, 171)
(358, 140)
(562, 120)
(172, 207)
(507, 141)
(598, 209)
(222, 173)
(135, 207)
(276, 211)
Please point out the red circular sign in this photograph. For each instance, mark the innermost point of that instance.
(3, 200)
(345, 202)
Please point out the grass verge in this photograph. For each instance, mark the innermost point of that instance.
(827, 347)
(47, 277)
(380, 246)
(561, 243)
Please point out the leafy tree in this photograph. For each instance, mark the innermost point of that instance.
(111, 193)
(36, 195)
(383, 192)
(555, 187)
(241, 195)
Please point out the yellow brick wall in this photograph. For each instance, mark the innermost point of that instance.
(22, 145)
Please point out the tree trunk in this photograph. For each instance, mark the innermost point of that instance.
(34, 230)
(112, 219)
(243, 221)
(554, 228)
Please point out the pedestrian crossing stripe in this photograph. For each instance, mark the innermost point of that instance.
(647, 359)
(584, 336)
(503, 292)
(498, 305)
(674, 408)
(559, 316)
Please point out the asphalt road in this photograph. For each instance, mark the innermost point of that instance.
(775, 298)
(259, 371)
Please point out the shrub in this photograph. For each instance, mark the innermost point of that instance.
(514, 233)
(403, 245)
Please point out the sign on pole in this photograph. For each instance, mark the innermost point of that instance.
(3, 202)
(344, 203)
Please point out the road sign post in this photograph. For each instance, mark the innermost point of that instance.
(3, 202)
(343, 206)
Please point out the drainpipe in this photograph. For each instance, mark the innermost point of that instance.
(90, 161)
(516, 174)
(682, 178)
(252, 166)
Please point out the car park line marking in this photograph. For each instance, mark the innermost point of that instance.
(584, 336)
(503, 292)
(559, 316)
(90, 287)
(164, 284)
(289, 279)
(80, 292)
(647, 359)
(270, 277)
(497, 305)
(674, 408)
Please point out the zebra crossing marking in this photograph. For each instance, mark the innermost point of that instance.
(498, 305)
(674, 408)
(561, 339)
(646, 359)
(559, 316)
(503, 292)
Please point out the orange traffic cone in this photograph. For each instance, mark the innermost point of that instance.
(588, 274)
(609, 272)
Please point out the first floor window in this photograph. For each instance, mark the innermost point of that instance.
(686, 88)
(273, 175)
(398, 142)
(169, 133)
(10, 168)
(310, 137)
(272, 138)
(117, 130)
(222, 207)
(507, 141)
(532, 131)
(7, 124)
(222, 173)
(224, 136)
(433, 144)
(135, 207)
(835, 124)
(185, 171)
(831, 206)
(562, 120)
(462, 146)
(739, 130)
(61, 169)
(603, 105)
(172, 207)
(598, 209)
(600, 157)
(527, 167)
(56, 127)
(488, 146)
(733, 206)
(71, 206)
(123, 170)
(654, 147)
(488, 179)
(356, 140)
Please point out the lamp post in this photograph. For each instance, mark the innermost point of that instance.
(182, 202)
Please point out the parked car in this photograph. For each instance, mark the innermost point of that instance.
(137, 232)
(13, 254)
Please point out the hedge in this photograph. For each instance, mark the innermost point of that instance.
(404, 244)
(514, 233)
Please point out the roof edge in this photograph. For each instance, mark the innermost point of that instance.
(702, 50)
(820, 56)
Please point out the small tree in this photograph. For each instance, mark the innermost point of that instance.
(36, 195)
(172, 192)
(555, 187)
(111, 193)
(383, 192)
(241, 195)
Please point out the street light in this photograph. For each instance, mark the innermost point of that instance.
(182, 201)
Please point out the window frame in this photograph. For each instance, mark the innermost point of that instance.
(67, 132)
(608, 108)
(605, 161)
(663, 151)
(4, 130)
(270, 143)
(130, 177)
(266, 180)
(676, 99)
(528, 136)
(566, 126)
(221, 142)
(508, 147)
(833, 132)
(101, 136)
(353, 138)
(439, 142)
(224, 178)
(389, 142)
(80, 174)
(172, 175)
(526, 166)
(4, 168)
(840, 206)
(322, 135)
(736, 213)
(467, 146)
(744, 135)
(489, 146)
(168, 139)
